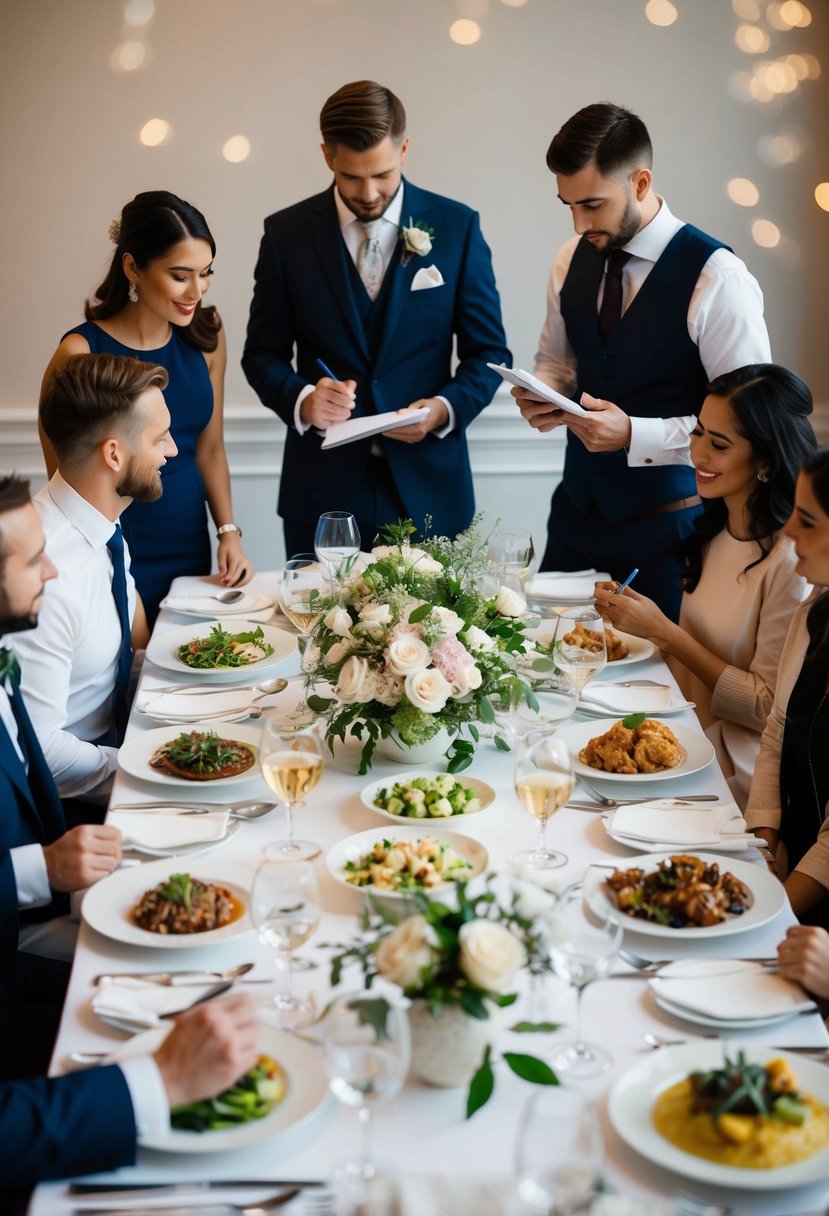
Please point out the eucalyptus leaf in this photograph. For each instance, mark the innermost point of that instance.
(481, 1087)
(534, 1027)
(528, 1068)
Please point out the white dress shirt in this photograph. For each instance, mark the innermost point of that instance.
(69, 663)
(388, 235)
(725, 321)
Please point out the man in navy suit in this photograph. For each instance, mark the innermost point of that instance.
(376, 279)
(87, 1121)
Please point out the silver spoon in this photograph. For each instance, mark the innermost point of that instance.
(227, 597)
(165, 978)
(238, 810)
(259, 690)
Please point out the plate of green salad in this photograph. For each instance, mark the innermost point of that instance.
(228, 652)
(420, 796)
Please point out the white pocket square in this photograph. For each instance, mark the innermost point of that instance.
(427, 276)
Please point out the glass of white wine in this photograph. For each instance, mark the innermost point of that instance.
(291, 764)
(336, 544)
(583, 945)
(579, 647)
(559, 1152)
(301, 593)
(284, 907)
(543, 778)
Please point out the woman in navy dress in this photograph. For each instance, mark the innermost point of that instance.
(150, 307)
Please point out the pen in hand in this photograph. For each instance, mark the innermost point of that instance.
(627, 581)
(326, 371)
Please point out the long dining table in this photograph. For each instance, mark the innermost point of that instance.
(423, 1130)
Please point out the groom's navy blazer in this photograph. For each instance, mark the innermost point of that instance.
(307, 305)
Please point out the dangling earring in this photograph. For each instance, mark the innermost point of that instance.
(133, 293)
(762, 476)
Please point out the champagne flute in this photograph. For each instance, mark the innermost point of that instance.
(559, 1152)
(511, 552)
(367, 1052)
(579, 647)
(337, 543)
(543, 778)
(291, 764)
(301, 593)
(284, 907)
(583, 945)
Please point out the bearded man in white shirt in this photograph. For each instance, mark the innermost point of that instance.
(643, 311)
(106, 418)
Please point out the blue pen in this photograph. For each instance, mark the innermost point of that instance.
(326, 371)
(627, 581)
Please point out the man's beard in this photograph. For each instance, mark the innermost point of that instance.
(364, 217)
(11, 623)
(628, 227)
(140, 483)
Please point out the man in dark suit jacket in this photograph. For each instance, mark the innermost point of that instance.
(86, 1121)
(376, 279)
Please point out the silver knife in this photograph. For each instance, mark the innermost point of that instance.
(214, 1209)
(158, 1189)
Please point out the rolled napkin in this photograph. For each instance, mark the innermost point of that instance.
(565, 585)
(206, 605)
(143, 1004)
(194, 705)
(729, 989)
(629, 700)
(662, 821)
(168, 829)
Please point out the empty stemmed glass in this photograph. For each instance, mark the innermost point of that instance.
(583, 945)
(337, 543)
(284, 907)
(543, 778)
(579, 647)
(301, 593)
(511, 552)
(367, 1052)
(291, 764)
(559, 1151)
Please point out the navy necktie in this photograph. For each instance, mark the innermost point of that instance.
(120, 702)
(610, 312)
(39, 782)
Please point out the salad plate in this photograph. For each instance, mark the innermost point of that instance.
(164, 646)
(484, 795)
(350, 852)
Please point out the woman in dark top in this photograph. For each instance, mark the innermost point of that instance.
(149, 306)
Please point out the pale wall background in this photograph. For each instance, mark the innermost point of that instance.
(480, 119)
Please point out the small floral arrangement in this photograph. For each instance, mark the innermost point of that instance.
(412, 647)
(417, 238)
(468, 956)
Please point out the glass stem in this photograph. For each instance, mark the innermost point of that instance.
(542, 835)
(288, 975)
(364, 1115)
(579, 1040)
(289, 820)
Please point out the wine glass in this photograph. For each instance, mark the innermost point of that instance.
(543, 778)
(579, 647)
(583, 944)
(337, 543)
(557, 702)
(511, 552)
(367, 1052)
(292, 764)
(301, 593)
(284, 907)
(559, 1152)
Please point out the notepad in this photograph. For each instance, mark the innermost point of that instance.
(372, 424)
(522, 379)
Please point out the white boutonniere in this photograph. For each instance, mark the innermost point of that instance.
(417, 238)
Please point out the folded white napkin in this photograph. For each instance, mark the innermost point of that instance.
(186, 706)
(136, 1000)
(426, 277)
(729, 989)
(662, 821)
(250, 602)
(168, 829)
(629, 700)
(565, 585)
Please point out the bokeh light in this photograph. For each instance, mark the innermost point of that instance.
(751, 39)
(464, 31)
(128, 56)
(765, 233)
(155, 132)
(139, 12)
(739, 86)
(743, 192)
(747, 10)
(822, 195)
(778, 150)
(661, 12)
(236, 149)
(795, 14)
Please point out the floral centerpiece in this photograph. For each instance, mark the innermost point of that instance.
(412, 647)
(464, 960)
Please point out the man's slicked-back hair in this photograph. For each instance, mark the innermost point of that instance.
(605, 133)
(14, 493)
(90, 397)
(361, 115)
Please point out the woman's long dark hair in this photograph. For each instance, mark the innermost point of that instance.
(149, 227)
(771, 406)
(816, 468)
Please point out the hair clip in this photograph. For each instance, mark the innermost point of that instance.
(114, 231)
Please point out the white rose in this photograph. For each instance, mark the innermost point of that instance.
(450, 622)
(509, 602)
(338, 621)
(381, 551)
(424, 564)
(427, 690)
(409, 948)
(381, 613)
(417, 240)
(338, 651)
(476, 639)
(467, 680)
(355, 681)
(490, 955)
(407, 654)
(530, 900)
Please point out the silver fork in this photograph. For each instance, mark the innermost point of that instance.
(649, 964)
(613, 802)
(255, 1209)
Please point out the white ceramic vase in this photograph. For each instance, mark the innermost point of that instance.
(394, 748)
(447, 1051)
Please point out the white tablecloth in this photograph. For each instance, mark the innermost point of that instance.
(424, 1130)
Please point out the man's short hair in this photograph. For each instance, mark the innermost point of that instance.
(14, 494)
(605, 133)
(361, 115)
(91, 395)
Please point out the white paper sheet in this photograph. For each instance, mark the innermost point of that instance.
(522, 379)
(373, 424)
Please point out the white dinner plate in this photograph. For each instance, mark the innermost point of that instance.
(640, 705)
(699, 751)
(306, 1090)
(483, 792)
(728, 993)
(134, 755)
(768, 897)
(355, 847)
(631, 1100)
(728, 1025)
(164, 644)
(638, 648)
